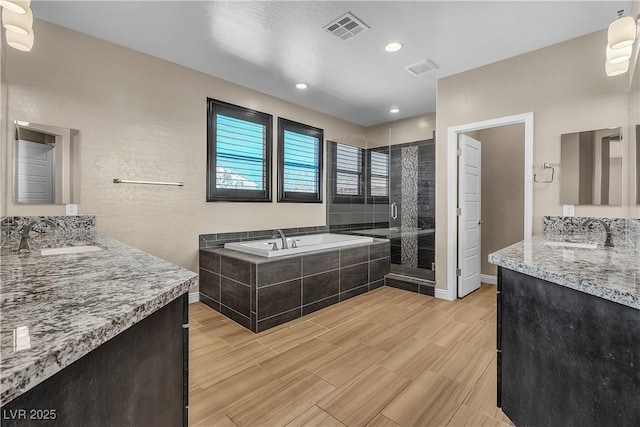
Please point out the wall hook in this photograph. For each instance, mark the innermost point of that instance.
(545, 166)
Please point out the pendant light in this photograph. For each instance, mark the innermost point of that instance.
(17, 6)
(17, 23)
(622, 31)
(617, 68)
(19, 41)
(615, 56)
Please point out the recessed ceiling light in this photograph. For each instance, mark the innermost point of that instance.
(393, 47)
(301, 86)
(394, 110)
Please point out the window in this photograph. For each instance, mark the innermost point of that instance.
(238, 153)
(347, 173)
(299, 162)
(378, 182)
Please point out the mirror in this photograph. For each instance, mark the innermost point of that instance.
(46, 164)
(591, 167)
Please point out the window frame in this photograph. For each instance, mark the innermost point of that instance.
(371, 199)
(215, 194)
(347, 198)
(298, 197)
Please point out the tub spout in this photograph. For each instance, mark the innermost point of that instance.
(279, 234)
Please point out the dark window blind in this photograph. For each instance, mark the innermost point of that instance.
(300, 155)
(238, 153)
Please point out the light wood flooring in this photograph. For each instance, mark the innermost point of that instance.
(385, 358)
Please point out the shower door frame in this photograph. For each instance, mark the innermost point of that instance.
(452, 189)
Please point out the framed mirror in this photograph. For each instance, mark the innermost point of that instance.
(46, 164)
(591, 167)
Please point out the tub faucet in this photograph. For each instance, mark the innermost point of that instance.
(280, 234)
(608, 242)
(26, 229)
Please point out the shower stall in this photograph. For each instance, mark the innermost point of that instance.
(387, 192)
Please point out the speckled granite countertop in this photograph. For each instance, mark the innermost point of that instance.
(71, 304)
(609, 273)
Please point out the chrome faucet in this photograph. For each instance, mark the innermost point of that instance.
(279, 234)
(26, 229)
(609, 241)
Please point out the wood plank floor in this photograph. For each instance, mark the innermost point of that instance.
(385, 358)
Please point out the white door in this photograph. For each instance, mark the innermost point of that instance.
(469, 216)
(34, 172)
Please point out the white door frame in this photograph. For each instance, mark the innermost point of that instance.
(452, 186)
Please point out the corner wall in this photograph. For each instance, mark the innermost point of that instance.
(566, 88)
(143, 118)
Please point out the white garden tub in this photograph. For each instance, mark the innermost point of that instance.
(312, 242)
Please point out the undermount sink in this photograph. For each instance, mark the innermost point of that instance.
(584, 245)
(70, 250)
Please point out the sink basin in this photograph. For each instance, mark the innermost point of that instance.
(585, 245)
(70, 250)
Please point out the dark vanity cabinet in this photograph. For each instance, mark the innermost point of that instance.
(137, 378)
(565, 357)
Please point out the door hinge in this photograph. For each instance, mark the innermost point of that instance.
(458, 211)
(459, 152)
(458, 272)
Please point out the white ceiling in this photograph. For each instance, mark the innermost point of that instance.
(268, 46)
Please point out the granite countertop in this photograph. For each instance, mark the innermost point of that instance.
(61, 307)
(609, 273)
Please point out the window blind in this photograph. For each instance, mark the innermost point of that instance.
(240, 152)
(379, 174)
(348, 170)
(301, 165)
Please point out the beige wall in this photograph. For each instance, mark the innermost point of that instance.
(564, 85)
(502, 180)
(412, 129)
(143, 118)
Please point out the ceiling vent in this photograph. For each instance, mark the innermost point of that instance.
(421, 67)
(346, 27)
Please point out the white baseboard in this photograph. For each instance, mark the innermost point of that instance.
(442, 294)
(194, 297)
(486, 278)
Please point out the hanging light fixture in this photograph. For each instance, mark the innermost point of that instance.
(17, 23)
(19, 41)
(615, 56)
(617, 68)
(622, 31)
(17, 6)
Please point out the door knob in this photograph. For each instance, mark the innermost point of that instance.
(480, 222)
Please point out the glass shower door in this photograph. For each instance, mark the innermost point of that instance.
(412, 209)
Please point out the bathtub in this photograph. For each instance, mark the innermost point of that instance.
(312, 242)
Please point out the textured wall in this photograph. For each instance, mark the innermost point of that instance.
(564, 85)
(143, 118)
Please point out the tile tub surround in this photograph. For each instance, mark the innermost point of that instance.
(260, 293)
(71, 304)
(66, 225)
(218, 240)
(609, 273)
